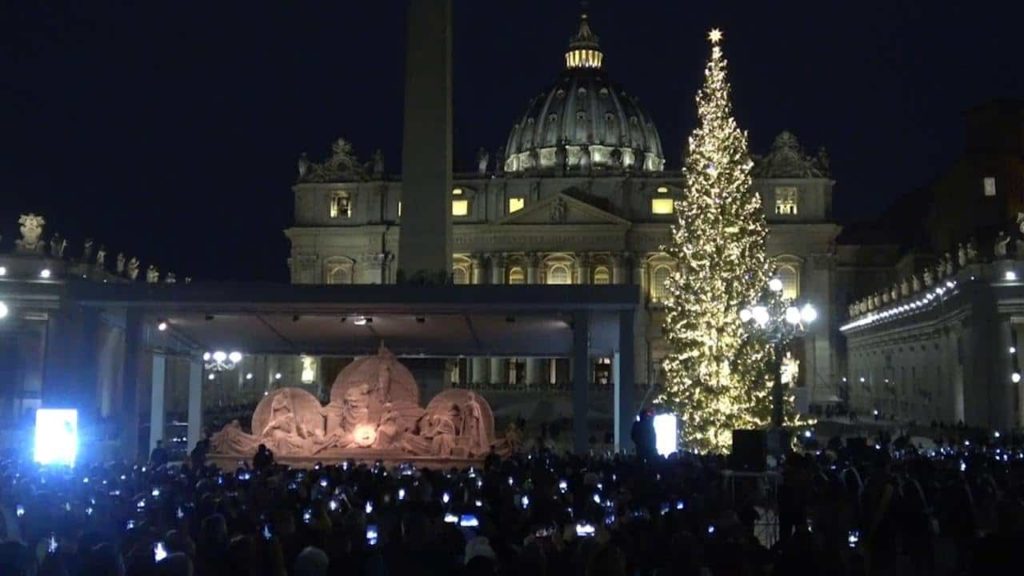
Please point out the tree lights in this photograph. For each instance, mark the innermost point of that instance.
(716, 369)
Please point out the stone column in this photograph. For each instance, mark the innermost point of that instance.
(195, 402)
(497, 268)
(583, 268)
(477, 272)
(532, 377)
(478, 370)
(618, 268)
(424, 244)
(129, 439)
(580, 381)
(532, 268)
(640, 272)
(533, 365)
(1002, 415)
(623, 370)
(499, 371)
(156, 399)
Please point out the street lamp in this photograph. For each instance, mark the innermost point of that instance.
(781, 321)
(221, 361)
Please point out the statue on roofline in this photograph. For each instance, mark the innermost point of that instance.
(341, 165)
(482, 161)
(31, 228)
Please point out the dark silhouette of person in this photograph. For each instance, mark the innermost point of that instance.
(263, 458)
(198, 455)
(158, 457)
(642, 434)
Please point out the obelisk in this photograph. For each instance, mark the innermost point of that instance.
(424, 244)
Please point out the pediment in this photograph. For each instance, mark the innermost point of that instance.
(563, 209)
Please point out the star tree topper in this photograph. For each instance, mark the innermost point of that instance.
(715, 36)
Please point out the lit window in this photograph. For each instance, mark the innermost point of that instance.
(662, 189)
(559, 274)
(516, 203)
(790, 281)
(786, 200)
(516, 275)
(990, 186)
(341, 205)
(659, 292)
(460, 275)
(662, 205)
(460, 207)
(308, 374)
(456, 191)
(602, 275)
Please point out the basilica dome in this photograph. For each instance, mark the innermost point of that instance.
(584, 122)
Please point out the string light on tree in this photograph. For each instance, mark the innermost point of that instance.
(717, 366)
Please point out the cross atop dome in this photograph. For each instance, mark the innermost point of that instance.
(584, 49)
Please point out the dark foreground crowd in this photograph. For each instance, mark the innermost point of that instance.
(953, 510)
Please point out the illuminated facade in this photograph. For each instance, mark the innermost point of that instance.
(580, 194)
(937, 332)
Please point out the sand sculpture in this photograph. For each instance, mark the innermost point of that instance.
(374, 411)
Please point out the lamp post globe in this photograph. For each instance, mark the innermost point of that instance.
(808, 314)
(793, 315)
(760, 315)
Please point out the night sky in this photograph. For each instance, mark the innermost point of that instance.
(170, 130)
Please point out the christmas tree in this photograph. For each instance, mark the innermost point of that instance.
(717, 365)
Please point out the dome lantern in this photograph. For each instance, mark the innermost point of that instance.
(584, 50)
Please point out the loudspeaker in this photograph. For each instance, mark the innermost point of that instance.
(749, 451)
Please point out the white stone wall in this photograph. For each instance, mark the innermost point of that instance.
(607, 220)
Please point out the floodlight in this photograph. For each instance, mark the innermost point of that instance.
(666, 435)
(56, 439)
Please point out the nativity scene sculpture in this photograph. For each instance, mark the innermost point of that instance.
(374, 412)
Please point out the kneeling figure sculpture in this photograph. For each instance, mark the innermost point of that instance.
(373, 412)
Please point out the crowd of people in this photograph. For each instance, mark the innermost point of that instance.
(838, 509)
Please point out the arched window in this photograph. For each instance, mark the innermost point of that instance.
(516, 275)
(559, 274)
(602, 275)
(460, 275)
(659, 292)
(338, 273)
(790, 281)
